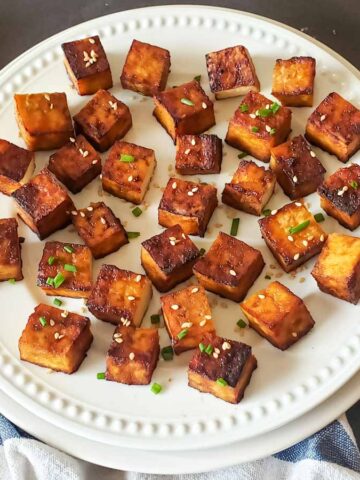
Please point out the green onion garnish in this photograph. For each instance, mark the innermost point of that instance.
(70, 268)
(242, 155)
(267, 277)
(136, 212)
(299, 228)
(244, 108)
(127, 158)
(156, 388)
(68, 249)
(182, 334)
(51, 260)
(222, 382)
(58, 280)
(234, 227)
(319, 217)
(265, 112)
(188, 102)
(274, 107)
(202, 347)
(266, 212)
(133, 234)
(209, 349)
(43, 321)
(202, 251)
(354, 184)
(57, 302)
(272, 131)
(167, 353)
(100, 376)
(12, 281)
(155, 319)
(255, 129)
(197, 78)
(50, 281)
(241, 323)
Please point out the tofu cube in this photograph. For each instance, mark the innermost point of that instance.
(337, 270)
(229, 268)
(226, 372)
(16, 166)
(43, 204)
(44, 120)
(256, 128)
(187, 317)
(335, 127)
(250, 188)
(184, 110)
(278, 315)
(298, 171)
(128, 170)
(55, 339)
(120, 296)
(103, 120)
(146, 68)
(231, 72)
(10, 250)
(198, 154)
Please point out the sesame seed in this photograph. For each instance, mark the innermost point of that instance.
(172, 238)
(273, 212)
(322, 118)
(294, 334)
(290, 238)
(51, 106)
(56, 335)
(87, 64)
(215, 355)
(252, 115)
(118, 340)
(202, 323)
(226, 346)
(296, 256)
(305, 243)
(72, 139)
(102, 220)
(81, 151)
(267, 106)
(74, 212)
(312, 154)
(187, 151)
(130, 179)
(131, 298)
(295, 179)
(175, 307)
(127, 323)
(191, 194)
(208, 317)
(47, 97)
(138, 278)
(65, 313)
(100, 176)
(91, 40)
(193, 142)
(186, 325)
(310, 237)
(298, 204)
(60, 337)
(195, 189)
(117, 335)
(261, 296)
(267, 128)
(194, 290)
(233, 273)
(82, 214)
(204, 106)
(216, 350)
(322, 238)
(174, 185)
(123, 320)
(85, 153)
(52, 322)
(172, 242)
(131, 356)
(90, 209)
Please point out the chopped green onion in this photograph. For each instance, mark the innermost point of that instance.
(12, 281)
(265, 112)
(197, 78)
(202, 347)
(58, 280)
(167, 353)
(182, 334)
(222, 382)
(274, 107)
(70, 268)
(202, 251)
(156, 388)
(100, 376)
(266, 212)
(354, 184)
(319, 217)
(242, 155)
(188, 102)
(241, 323)
(299, 228)
(244, 108)
(136, 212)
(267, 277)
(125, 158)
(68, 249)
(272, 131)
(51, 260)
(255, 129)
(155, 319)
(57, 302)
(209, 349)
(234, 227)
(133, 234)
(50, 281)
(43, 321)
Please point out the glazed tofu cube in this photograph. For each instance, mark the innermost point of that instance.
(133, 355)
(226, 372)
(229, 268)
(128, 170)
(188, 204)
(146, 68)
(55, 339)
(16, 166)
(298, 171)
(184, 110)
(87, 65)
(10, 250)
(293, 81)
(250, 188)
(198, 154)
(337, 270)
(187, 317)
(231, 72)
(168, 258)
(103, 120)
(335, 127)
(120, 296)
(100, 229)
(278, 315)
(76, 164)
(340, 196)
(258, 125)
(44, 120)
(43, 204)
(292, 235)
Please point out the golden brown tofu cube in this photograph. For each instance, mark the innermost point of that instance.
(229, 268)
(250, 188)
(187, 316)
(87, 65)
(298, 171)
(120, 296)
(55, 339)
(258, 125)
(146, 68)
(103, 120)
(225, 372)
(184, 110)
(198, 154)
(133, 355)
(128, 170)
(43, 204)
(337, 270)
(293, 81)
(292, 235)
(44, 120)
(231, 72)
(10, 250)
(278, 315)
(340, 196)
(335, 127)
(100, 229)
(16, 166)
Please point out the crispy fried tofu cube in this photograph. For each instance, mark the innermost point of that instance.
(337, 270)
(103, 120)
(44, 120)
(231, 72)
(335, 127)
(128, 170)
(10, 250)
(55, 339)
(297, 168)
(292, 235)
(250, 188)
(87, 65)
(120, 296)
(226, 372)
(187, 317)
(100, 229)
(258, 125)
(146, 68)
(133, 355)
(16, 166)
(198, 154)
(278, 315)
(229, 268)
(293, 81)
(43, 204)
(184, 110)
(340, 196)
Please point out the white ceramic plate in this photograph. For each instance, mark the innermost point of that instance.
(286, 384)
